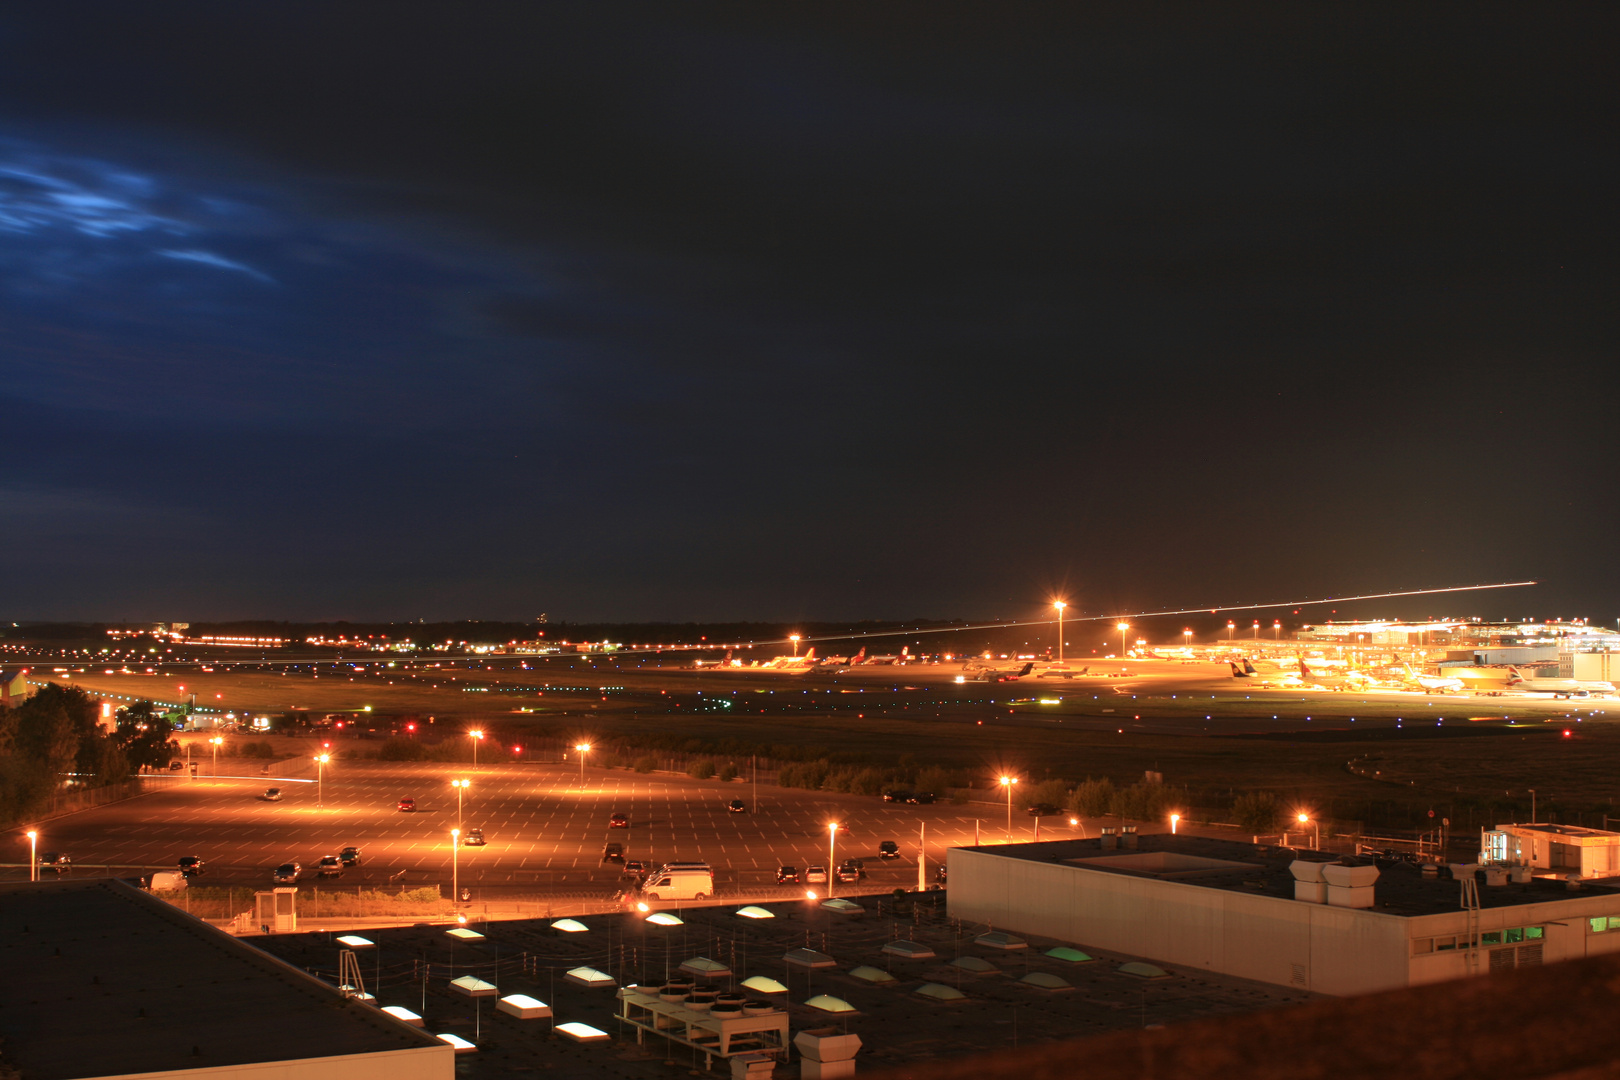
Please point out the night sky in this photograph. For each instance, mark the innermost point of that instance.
(803, 311)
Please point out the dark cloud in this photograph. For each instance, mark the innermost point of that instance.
(681, 312)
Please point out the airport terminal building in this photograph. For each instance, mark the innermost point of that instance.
(1271, 915)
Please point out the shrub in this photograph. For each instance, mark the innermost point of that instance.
(1055, 792)
(728, 772)
(402, 750)
(647, 763)
(701, 769)
(1256, 811)
(934, 779)
(1141, 802)
(803, 774)
(1094, 798)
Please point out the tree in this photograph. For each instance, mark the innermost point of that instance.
(50, 726)
(1094, 798)
(1256, 811)
(143, 736)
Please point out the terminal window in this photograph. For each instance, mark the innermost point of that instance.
(1602, 924)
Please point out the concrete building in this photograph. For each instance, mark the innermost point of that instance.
(13, 686)
(1249, 911)
(103, 980)
(1556, 850)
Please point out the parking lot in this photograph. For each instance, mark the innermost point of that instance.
(545, 829)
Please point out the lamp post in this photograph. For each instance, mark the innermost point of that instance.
(832, 856)
(795, 639)
(1231, 630)
(215, 741)
(1532, 807)
(1060, 605)
(1175, 819)
(477, 737)
(320, 779)
(583, 748)
(1122, 627)
(455, 867)
(1008, 782)
(33, 855)
(1186, 637)
(461, 786)
(1305, 819)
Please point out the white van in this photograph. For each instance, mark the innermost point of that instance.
(166, 880)
(669, 884)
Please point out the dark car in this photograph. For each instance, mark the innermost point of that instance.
(329, 866)
(619, 821)
(55, 860)
(1044, 809)
(613, 852)
(287, 873)
(737, 806)
(922, 798)
(851, 870)
(176, 765)
(897, 795)
(787, 875)
(407, 805)
(474, 838)
(634, 867)
(350, 856)
(271, 794)
(888, 850)
(190, 865)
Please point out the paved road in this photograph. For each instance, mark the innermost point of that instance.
(545, 830)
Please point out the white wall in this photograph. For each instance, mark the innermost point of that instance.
(416, 1063)
(1326, 949)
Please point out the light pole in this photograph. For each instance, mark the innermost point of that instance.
(460, 786)
(215, 741)
(795, 639)
(1532, 807)
(320, 779)
(1257, 629)
(1008, 782)
(477, 737)
(1305, 819)
(1231, 630)
(1276, 630)
(33, 855)
(583, 748)
(832, 856)
(1186, 637)
(1060, 605)
(1122, 627)
(1175, 819)
(455, 866)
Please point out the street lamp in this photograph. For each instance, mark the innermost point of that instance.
(1122, 627)
(1186, 636)
(215, 741)
(1305, 819)
(461, 786)
(33, 855)
(795, 639)
(1231, 630)
(1008, 782)
(583, 748)
(1175, 819)
(320, 779)
(1276, 630)
(455, 866)
(832, 856)
(477, 737)
(1060, 605)
(1257, 629)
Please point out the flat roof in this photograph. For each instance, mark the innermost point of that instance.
(102, 979)
(1564, 830)
(1237, 866)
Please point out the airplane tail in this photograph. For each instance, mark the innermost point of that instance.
(1237, 672)
(811, 654)
(1515, 676)
(858, 658)
(1026, 670)
(1304, 672)
(1248, 668)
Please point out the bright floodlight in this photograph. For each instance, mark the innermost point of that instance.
(1009, 780)
(476, 734)
(583, 747)
(1059, 604)
(832, 826)
(1303, 818)
(1123, 626)
(32, 835)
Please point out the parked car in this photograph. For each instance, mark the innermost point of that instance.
(55, 860)
(350, 856)
(190, 865)
(815, 875)
(787, 875)
(634, 867)
(613, 852)
(287, 873)
(176, 765)
(272, 794)
(897, 795)
(888, 850)
(848, 873)
(619, 821)
(1045, 809)
(922, 798)
(407, 805)
(473, 838)
(329, 866)
(737, 806)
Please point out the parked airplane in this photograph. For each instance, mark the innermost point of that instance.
(1435, 683)
(1558, 687)
(979, 671)
(1335, 682)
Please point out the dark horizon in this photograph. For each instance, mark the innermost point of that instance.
(394, 312)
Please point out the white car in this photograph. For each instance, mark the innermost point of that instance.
(815, 875)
